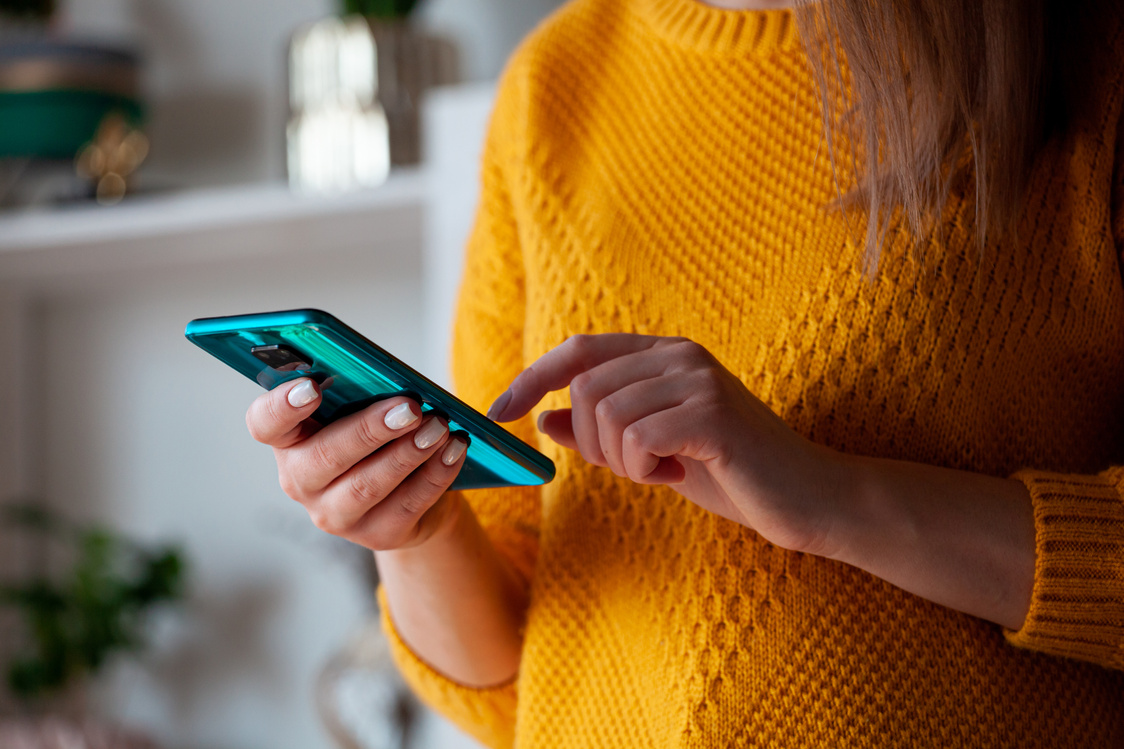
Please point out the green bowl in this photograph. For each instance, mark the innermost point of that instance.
(56, 124)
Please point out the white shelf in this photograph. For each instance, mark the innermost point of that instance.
(218, 225)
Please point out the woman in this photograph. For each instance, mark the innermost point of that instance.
(812, 491)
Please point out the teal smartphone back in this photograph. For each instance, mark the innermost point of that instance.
(274, 347)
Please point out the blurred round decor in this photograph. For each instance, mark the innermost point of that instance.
(57, 97)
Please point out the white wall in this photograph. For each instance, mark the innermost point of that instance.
(456, 123)
(486, 31)
(215, 71)
(147, 433)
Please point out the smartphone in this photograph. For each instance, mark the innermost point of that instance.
(273, 347)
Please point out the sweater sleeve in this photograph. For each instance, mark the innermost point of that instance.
(487, 355)
(1077, 607)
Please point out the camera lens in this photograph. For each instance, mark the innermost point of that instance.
(282, 358)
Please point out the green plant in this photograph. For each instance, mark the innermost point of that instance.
(382, 9)
(30, 9)
(95, 609)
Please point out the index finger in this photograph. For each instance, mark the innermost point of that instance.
(275, 418)
(556, 368)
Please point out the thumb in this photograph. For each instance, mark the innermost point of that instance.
(559, 426)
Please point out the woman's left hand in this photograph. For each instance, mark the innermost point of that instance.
(665, 411)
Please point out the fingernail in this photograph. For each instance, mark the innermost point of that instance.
(498, 407)
(453, 452)
(302, 394)
(430, 434)
(400, 416)
(542, 418)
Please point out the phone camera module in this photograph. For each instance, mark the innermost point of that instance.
(282, 358)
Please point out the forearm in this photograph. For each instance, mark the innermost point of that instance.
(457, 602)
(960, 539)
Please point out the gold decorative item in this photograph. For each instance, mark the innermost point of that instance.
(111, 158)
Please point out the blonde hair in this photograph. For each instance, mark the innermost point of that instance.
(937, 93)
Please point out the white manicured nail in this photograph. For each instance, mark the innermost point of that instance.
(302, 394)
(429, 434)
(453, 452)
(400, 417)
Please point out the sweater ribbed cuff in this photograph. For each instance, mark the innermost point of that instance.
(485, 713)
(1077, 608)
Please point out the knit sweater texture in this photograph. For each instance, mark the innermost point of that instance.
(658, 167)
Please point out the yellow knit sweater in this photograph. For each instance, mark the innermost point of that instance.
(652, 167)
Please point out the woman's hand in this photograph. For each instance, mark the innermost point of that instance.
(665, 411)
(379, 478)
(376, 478)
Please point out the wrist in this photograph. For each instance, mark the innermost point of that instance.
(959, 539)
(452, 516)
(446, 520)
(455, 601)
(853, 502)
(867, 510)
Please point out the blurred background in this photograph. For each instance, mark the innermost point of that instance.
(162, 160)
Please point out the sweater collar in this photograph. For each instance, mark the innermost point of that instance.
(706, 29)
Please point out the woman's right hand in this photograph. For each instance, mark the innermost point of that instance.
(377, 478)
